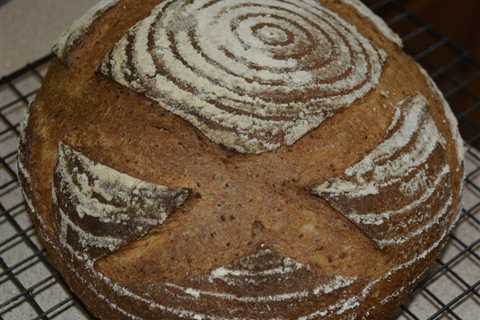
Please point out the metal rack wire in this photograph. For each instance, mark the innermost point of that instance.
(31, 289)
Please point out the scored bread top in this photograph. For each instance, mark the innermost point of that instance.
(252, 75)
(269, 196)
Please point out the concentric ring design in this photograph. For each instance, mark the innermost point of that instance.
(252, 75)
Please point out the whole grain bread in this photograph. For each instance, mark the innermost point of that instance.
(247, 159)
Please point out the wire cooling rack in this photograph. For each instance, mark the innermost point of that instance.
(31, 289)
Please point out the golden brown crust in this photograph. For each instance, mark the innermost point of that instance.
(243, 202)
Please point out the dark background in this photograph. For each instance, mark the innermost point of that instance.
(457, 19)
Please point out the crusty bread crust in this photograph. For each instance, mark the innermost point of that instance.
(148, 214)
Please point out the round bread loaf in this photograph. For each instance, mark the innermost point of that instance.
(249, 159)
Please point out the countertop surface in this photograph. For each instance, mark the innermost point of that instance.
(28, 28)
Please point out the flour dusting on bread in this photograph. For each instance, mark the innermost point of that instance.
(23, 174)
(410, 163)
(251, 75)
(74, 33)
(119, 207)
(379, 23)
(25, 179)
(450, 117)
(383, 164)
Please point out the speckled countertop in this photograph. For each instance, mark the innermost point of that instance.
(29, 27)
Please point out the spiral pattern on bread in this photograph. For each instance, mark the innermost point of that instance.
(251, 75)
